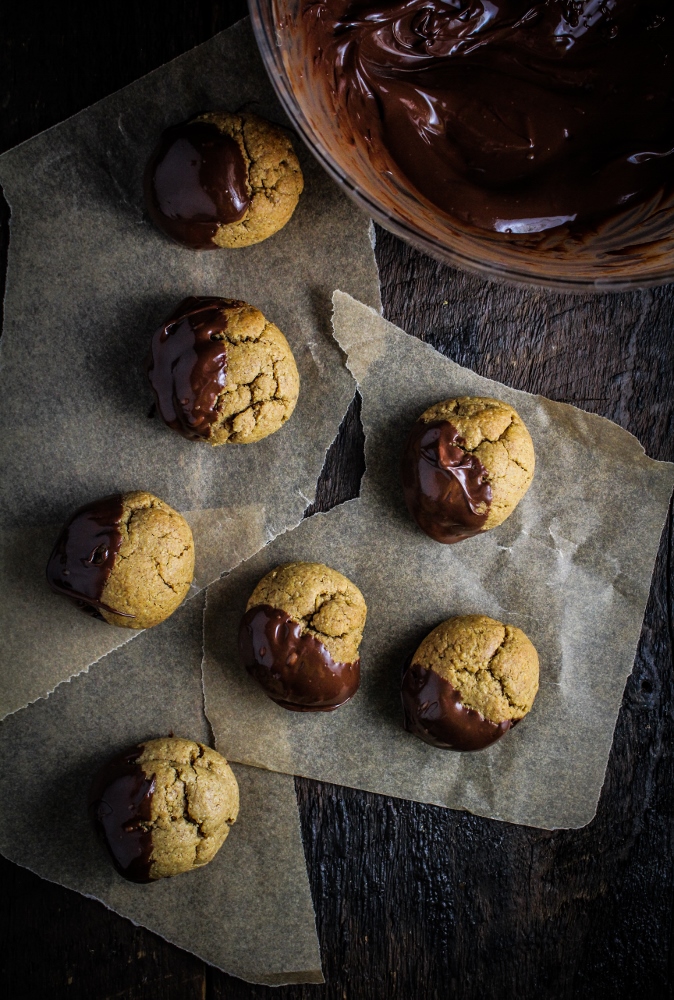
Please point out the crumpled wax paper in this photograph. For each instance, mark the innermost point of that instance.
(571, 566)
(88, 280)
(249, 911)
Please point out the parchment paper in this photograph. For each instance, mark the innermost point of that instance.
(88, 280)
(249, 911)
(571, 566)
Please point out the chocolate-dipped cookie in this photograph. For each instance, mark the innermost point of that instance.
(471, 679)
(300, 636)
(466, 465)
(222, 180)
(164, 807)
(128, 558)
(221, 372)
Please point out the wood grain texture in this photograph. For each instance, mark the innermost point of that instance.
(412, 901)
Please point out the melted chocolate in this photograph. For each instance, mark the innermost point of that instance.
(196, 180)
(120, 802)
(433, 712)
(445, 487)
(187, 364)
(511, 116)
(85, 552)
(295, 670)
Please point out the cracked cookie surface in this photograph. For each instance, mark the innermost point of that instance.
(274, 177)
(154, 566)
(193, 805)
(493, 666)
(262, 383)
(496, 434)
(324, 602)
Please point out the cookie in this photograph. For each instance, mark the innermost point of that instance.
(128, 558)
(221, 372)
(466, 465)
(471, 679)
(222, 180)
(164, 807)
(300, 636)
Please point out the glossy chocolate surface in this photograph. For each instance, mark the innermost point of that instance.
(511, 116)
(445, 488)
(84, 554)
(120, 803)
(433, 711)
(295, 670)
(196, 180)
(187, 364)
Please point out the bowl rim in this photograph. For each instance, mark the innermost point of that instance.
(492, 271)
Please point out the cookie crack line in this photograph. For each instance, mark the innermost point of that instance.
(511, 702)
(325, 598)
(519, 465)
(499, 648)
(486, 669)
(471, 451)
(133, 512)
(222, 396)
(262, 188)
(245, 222)
(242, 134)
(158, 568)
(244, 337)
(322, 636)
(177, 769)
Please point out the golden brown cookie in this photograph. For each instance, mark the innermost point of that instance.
(164, 807)
(467, 464)
(471, 679)
(129, 557)
(301, 634)
(221, 372)
(222, 180)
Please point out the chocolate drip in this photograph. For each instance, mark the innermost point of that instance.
(295, 670)
(511, 116)
(196, 180)
(187, 364)
(445, 487)
(433, 712)
(84, 554)
(120, 806)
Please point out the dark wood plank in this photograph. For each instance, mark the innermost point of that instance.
(411, 901)
(56, 943)
(57, 58)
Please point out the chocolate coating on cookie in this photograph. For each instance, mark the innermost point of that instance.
(469, 681)
(164, 807)
(195, 181)
(221, 372)
(85, 551)
(128, 558)
(433, 711)
(120, 806)
(295, 670)
(187, 364)
(445, 487)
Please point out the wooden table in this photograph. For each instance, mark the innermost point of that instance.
(411, 901)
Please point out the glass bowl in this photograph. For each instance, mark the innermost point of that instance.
(632, 250)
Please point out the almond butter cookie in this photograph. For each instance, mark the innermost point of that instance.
(471, 679)
(467, 464)
(164, 807)
(128, 558)
(221, 372)
(300, 636)
(222, 180)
